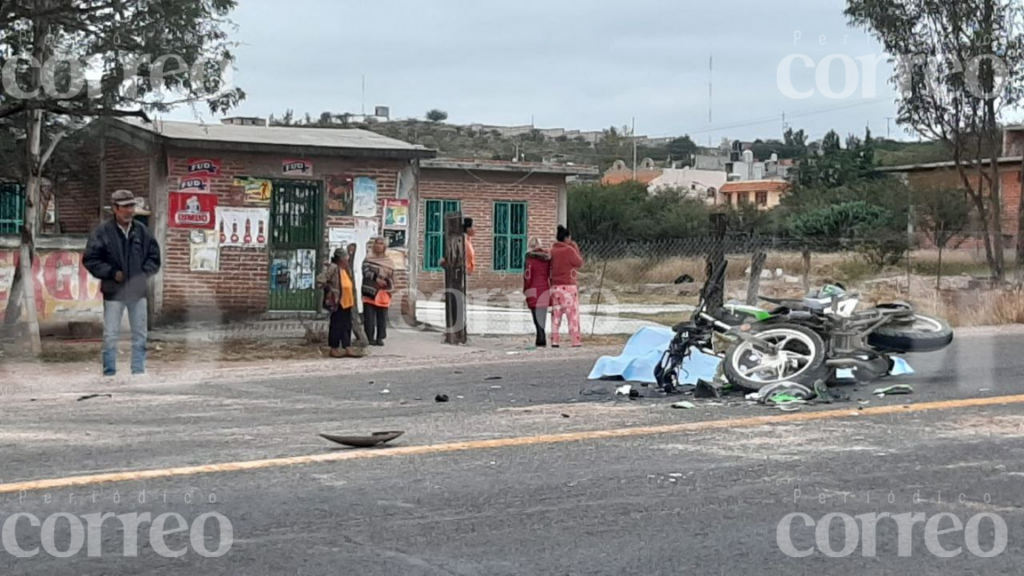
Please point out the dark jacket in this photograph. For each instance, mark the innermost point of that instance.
(565, 262)
(137, 256)
(537, 279)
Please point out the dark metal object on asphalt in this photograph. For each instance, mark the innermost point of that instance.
(375, 439)
(441, 398)
(91, 396)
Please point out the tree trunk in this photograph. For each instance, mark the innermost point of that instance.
(938, 279)
(454, 280)
(29, 229)
(754, 284)
(995, 191)
(807, 269)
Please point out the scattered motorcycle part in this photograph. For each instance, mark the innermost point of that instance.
(923, 334)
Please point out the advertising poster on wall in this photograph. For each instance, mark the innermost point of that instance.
(203, 166)
(296, 168)
(191, 210)
(395, 237)
(194, 183)
(396, 213)
(243, 227)
(204, 251)
(365, 193)
(254, 191)
(339, 195)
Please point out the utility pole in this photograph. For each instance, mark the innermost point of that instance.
(711, 71)
(784, 122)
(632, 134)
(888, 132)
(364, 95)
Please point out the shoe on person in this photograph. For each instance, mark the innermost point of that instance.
(338, 353)
(379, 343)
(354, 352)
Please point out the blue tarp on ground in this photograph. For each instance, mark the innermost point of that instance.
(642, 354)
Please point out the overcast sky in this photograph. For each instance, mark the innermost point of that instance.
(580, 64)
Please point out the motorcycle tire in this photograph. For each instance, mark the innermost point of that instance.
(925, 334)
(814, 370)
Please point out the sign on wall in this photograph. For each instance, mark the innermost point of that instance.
(64, 288)
(243, 227)
(255, 191)
(191, 210)
(365, 193)
(396, 213)
(297, 168)
(204, 251)
(204, 166)
(339, 195)
(395, 237)
(194, 183)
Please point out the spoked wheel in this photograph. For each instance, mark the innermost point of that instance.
(922, 334)
(797, 355)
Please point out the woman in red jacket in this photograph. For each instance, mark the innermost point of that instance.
(566, 261)
(537, 287)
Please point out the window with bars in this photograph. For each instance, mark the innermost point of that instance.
(433, 235)
(12, 208)
(509, 236)
(762, 198)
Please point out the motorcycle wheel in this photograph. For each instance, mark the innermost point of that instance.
(924, 334)
(800, 358)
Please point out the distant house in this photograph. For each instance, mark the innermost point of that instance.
(697, 184)
(765, 194)
(646, 172)
(742, 166)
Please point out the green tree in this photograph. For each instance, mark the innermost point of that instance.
(682, 148)
(943, 215)
(831, 142)
(46, 46)
(436, 115)
(961, 66)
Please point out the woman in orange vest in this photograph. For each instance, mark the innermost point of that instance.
(340, 301)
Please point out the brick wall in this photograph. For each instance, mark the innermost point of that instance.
(540, 191)
(1010, 187)
(78, 199)
(241, 287)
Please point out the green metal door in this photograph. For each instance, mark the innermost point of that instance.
(12, 208)
(296, 238)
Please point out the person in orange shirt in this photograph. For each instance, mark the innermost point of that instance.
(340, 301)
(378, 281)
(467, 227)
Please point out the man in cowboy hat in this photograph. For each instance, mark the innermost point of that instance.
(122, 254)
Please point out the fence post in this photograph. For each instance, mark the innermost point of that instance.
(807, 268)
(754, 285)
(455, 317)
(716, 261)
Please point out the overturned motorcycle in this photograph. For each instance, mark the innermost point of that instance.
(820, 337)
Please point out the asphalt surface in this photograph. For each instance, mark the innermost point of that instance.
(704, 501)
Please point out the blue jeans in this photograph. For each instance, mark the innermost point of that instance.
(113, 313)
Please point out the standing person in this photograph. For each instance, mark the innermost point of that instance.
(467, 228)
(378, 281)
(537, 287)
(357, 319)
(122, 254)
(566, 261)
(339, 301)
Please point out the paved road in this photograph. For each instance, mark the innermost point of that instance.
(490, 484)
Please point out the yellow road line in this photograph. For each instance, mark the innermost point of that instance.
(71, 481)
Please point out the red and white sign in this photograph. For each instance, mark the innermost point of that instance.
(192, 210)
(297, 168)
(194, 183)
(203, 166)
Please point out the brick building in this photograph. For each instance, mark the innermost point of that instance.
(319, 182)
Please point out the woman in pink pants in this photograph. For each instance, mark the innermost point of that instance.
(566, 261)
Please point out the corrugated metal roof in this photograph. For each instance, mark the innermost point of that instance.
(507, 166)
(950, 164)
(340, 138)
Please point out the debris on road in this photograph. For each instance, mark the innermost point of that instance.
(684, 405)
(493, 378)
(91, 396)
(564, 415)
(441, 398)
(898, 389)
(634, 394)
(624, 390)
(374, 439)
(495, 387)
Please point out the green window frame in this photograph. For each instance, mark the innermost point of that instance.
(12, 208)
(433, 231)
(509, 237)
